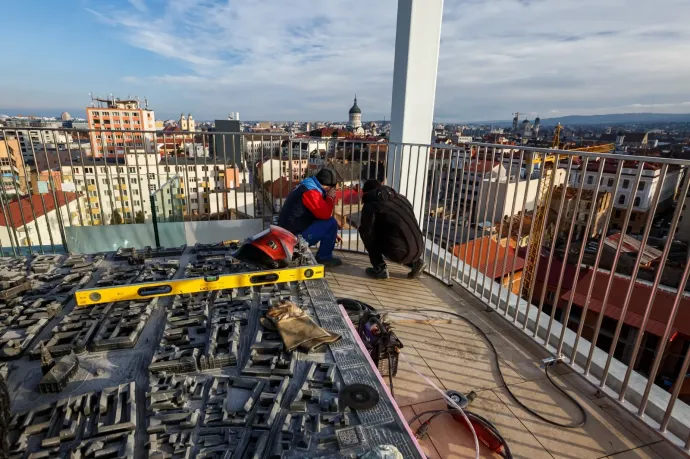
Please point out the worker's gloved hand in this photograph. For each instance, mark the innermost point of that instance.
(296, 328)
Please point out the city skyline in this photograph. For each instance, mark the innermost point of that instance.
(300, 62)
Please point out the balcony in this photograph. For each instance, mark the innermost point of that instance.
(523, 271)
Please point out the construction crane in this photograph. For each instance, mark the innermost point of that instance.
(539, 220)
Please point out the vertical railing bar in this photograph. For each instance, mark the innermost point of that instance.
(64, 193)
(616, 258)
(198, 175)
(476, 230)
(510, 231)
(352, 179)
(450, 250)
(445, 210)
(234, 166)
(540, 242)
(110, 190)
(182, 181)
(493, 218)
(674, 310)
(397, 181)
(83, 174)
(416, 177)
(58, 212)
(139, 174)
(241, 171)
(10, 228)
(576, 211)
(422, 195)
(207, 181)
(440, 239)
(148, 175)
(5, 203)
(427, 227)
(463, 196)
(128, 185)
(71, 165)
(43, 202)
(578, 266)
(270, 169)
(220, 189)
(18, 194)
(18, 197)
(518, 239)
(469, 258)
(166, 169)
(552, 249)
(500, 231)
(677, 385)
(530, 241)
(595, 268)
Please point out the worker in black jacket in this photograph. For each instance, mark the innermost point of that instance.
(389, 229)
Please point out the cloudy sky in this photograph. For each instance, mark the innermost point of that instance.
(305, 59)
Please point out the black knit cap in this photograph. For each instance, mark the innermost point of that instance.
(326, 177)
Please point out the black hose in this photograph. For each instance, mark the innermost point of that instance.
(572, 425)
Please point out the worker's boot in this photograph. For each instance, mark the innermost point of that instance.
(378, 272)
(417, 268)
(330, 262)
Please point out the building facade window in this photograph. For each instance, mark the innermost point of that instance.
(637, 201)
(621, 199)
(626, 184)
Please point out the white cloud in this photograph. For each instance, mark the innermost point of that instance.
(305, 59)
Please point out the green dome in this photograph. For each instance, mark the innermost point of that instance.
(355, 108)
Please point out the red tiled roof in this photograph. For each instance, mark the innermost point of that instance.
(661, 305)
(25, 206)
(482, 166)
(478, 250)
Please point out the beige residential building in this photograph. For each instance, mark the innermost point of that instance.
(587, 206)
(114, 118)
(12, 172)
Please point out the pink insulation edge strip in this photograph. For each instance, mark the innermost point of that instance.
(380, 378)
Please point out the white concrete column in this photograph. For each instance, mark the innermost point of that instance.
(417, 43)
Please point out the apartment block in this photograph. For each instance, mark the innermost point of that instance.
(113, 118)
(587, 206)
(32, 139)
(624, 195)
(125, 184)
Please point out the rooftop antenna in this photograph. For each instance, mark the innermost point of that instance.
(146, 102)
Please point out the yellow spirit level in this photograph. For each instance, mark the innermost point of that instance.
(147, 290)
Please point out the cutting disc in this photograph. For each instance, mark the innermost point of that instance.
(359, 396)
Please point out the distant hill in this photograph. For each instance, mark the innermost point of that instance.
(614, 118)
(619, 118)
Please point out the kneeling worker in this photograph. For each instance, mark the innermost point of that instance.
(389, 229)
(308, 211)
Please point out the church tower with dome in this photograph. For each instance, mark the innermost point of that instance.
(355, 119)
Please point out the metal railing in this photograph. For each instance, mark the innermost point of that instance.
(607, 268)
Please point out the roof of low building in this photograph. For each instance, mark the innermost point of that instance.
(483, 253)
(661, 305)
(30, 207)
